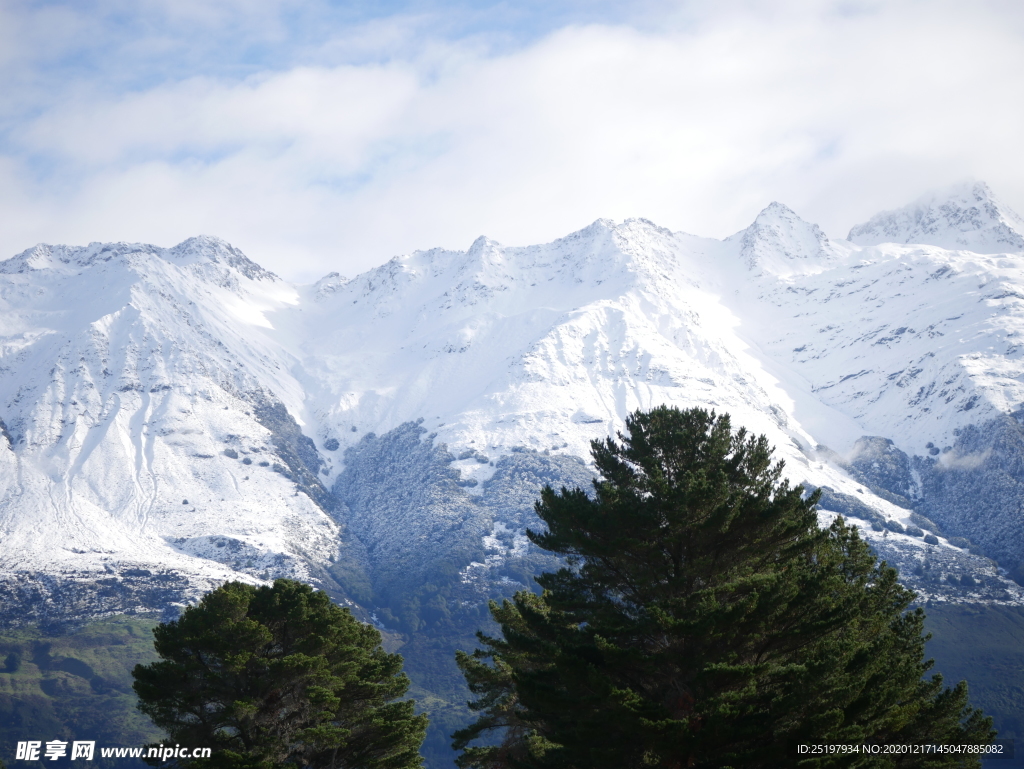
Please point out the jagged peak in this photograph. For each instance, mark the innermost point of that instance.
(775, 208)
(599, 228)
(328, 284)
(218, 251)
(646, 225)
(202, 248)
(46, 256)
(590, 256)
(482, 252)
(780, 243)
(483, 243)
(964, 216)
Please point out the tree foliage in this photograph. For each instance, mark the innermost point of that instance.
(704, 619)
(279, 676)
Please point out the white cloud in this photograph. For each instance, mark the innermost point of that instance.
(838, 110)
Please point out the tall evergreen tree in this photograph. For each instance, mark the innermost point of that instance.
(279, 676)
(704, 619)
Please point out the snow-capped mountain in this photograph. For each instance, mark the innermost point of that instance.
(780, 243)
(967, 216)
(136, 382)
(176, 417)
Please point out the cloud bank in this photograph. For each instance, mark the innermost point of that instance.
(319, 141)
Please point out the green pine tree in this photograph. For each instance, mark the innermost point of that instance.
(279, 676)
(705, 620)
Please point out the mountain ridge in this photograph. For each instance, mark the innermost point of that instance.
(965, 216)
(186, 413)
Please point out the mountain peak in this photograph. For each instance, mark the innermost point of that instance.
(213, 249)
(481, 243)
(965, 216)
(200, 250)
(780, 243)
(60, 257)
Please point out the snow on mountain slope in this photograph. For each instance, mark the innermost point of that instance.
(182, 413)
(912, 342)
(546, 347)
(920, 345)
(967, 216)
(780, 243)
(127, 378)
(551, 346)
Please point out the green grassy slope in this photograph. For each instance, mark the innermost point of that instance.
(74, 686)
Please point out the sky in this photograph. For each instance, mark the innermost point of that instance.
(323, 136)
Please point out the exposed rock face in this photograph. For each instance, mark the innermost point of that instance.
(414, 521)
(877, 463)
(406, 508)
(976, 489)
(57, 600)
